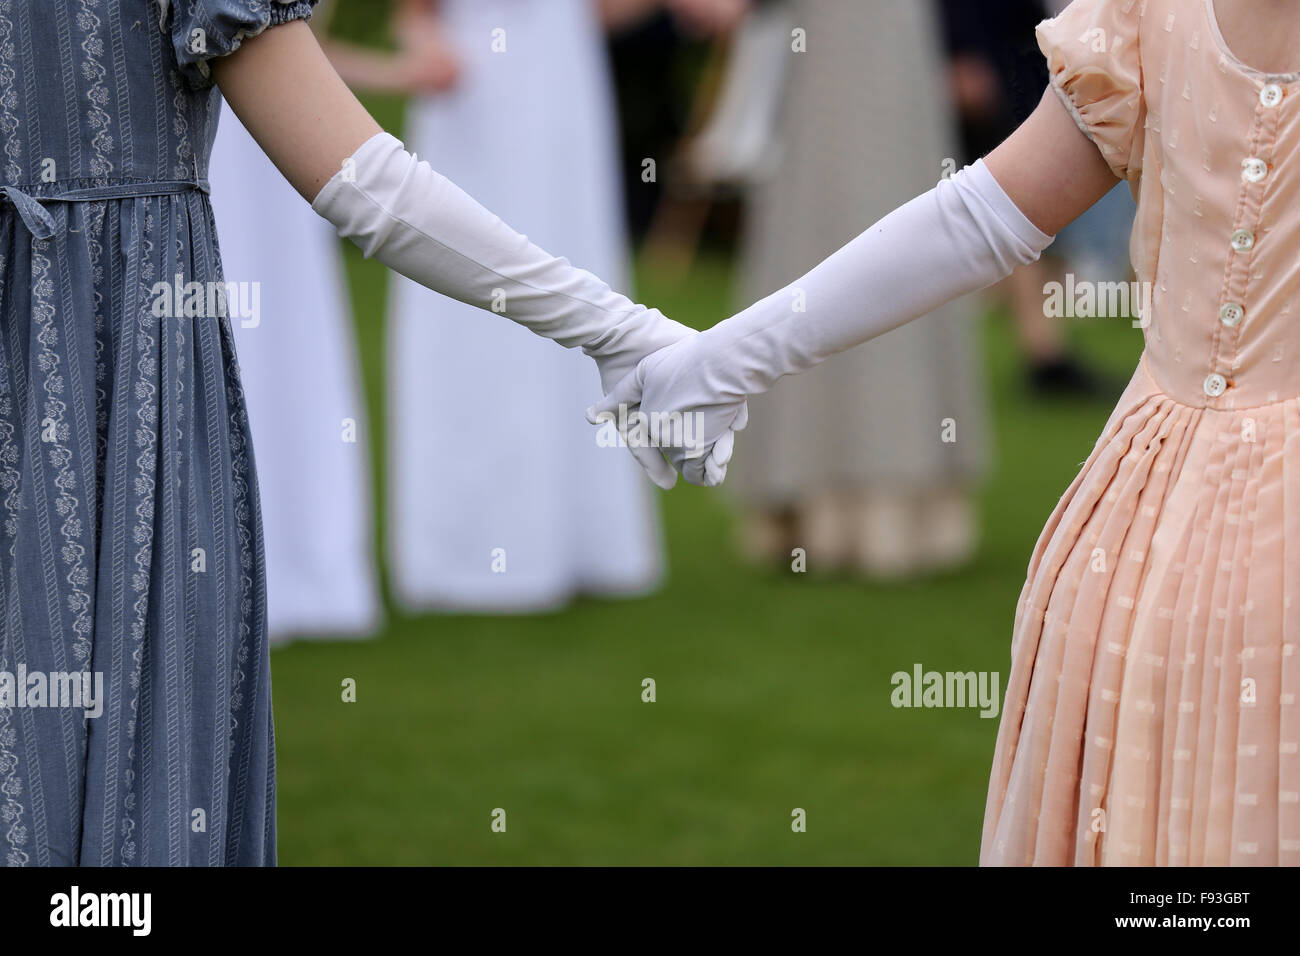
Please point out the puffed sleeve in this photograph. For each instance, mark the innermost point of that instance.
(202, 30)
(1094, 60)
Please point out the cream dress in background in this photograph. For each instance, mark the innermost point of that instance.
(543, 514)
(1151, 714)
(864, 125)
(302, 385)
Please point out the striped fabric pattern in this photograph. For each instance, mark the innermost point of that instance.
(130, 535)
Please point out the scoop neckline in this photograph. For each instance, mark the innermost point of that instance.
(1226, 50)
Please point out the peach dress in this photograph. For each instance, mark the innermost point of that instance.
(1150, 716)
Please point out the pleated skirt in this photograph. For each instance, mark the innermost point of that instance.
(1150, 715)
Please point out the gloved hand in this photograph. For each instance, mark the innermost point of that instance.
(683, 413)
(962, 236)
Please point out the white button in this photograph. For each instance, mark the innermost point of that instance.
(1254, 170)
(1271, 95)
(1232, 314)
(1215, 385)
(1243, 240)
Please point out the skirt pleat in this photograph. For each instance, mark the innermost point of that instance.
(1150, 712)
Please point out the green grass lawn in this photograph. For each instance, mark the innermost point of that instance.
(773, 688)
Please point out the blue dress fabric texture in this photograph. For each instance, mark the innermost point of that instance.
(130, 535)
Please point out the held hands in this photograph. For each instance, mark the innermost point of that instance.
(671, 405)
(639, 334)
(863, 290)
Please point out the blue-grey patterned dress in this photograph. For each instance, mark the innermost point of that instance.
(130, 538)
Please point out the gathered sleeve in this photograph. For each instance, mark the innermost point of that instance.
(1095, 64)
(202, 30)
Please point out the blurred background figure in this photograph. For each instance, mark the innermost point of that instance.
(529, 129)
(871, 462)
(298, 360)
(997, 76)
(666, 70)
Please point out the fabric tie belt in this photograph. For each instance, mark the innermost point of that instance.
(41, 224)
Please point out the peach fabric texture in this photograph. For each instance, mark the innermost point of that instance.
(1150, 716)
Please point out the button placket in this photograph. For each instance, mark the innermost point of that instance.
(1255, 177)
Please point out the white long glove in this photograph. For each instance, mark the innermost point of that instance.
(419, 223)
(962, 236)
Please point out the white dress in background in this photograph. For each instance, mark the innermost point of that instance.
(300, 376)
(544, 513)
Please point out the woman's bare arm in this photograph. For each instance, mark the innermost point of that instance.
(284, 90)
(1049, 168)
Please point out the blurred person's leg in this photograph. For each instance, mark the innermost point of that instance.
(947, 528)
(823, 529)
(1041, 337)
(1096, 245)
(768, 535)
(886, 533)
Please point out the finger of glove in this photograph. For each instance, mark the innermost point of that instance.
(723, 449)
(695, 470)
(626, 393)
(742, 417)
(714, 473)
(715, 465)
(655, 465)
